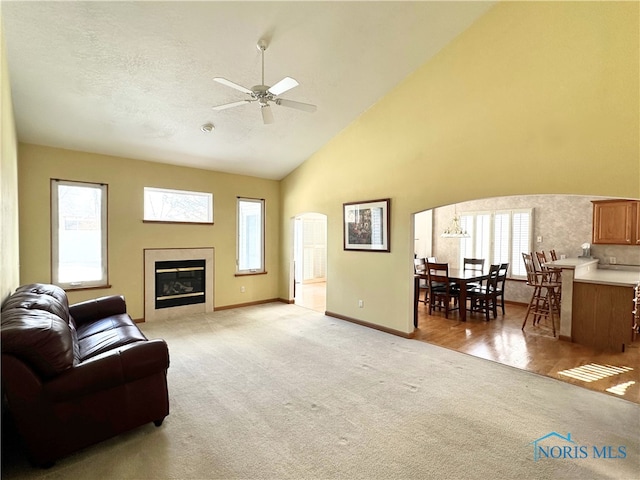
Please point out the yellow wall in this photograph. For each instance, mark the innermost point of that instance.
(9, 243)
(128, 235)
(533, 98)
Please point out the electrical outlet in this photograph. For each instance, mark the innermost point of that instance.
(360, 303)
(539, 238)
(613, 260)
(242, 289)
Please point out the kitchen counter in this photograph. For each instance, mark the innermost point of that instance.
(586, 271)
(596, 304)
(574, 263)
(601, 276)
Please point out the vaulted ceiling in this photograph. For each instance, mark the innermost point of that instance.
(135, 79)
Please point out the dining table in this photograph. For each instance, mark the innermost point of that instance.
(461, 277)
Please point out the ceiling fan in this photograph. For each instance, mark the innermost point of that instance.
(264, 94)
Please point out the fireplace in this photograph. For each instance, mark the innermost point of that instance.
(177, 282)
(180, 282)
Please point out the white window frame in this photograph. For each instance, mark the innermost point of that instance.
(241, 234)
(150, 215)
(103, 281)
(475, 247)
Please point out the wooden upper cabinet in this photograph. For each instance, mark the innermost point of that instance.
(616, 222)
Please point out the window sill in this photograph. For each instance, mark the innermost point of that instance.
(177, 222)
(76, 289)
(249, 274)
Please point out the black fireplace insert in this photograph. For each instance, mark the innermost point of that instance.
(180, 282)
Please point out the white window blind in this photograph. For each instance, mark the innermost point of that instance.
(499, 237)
(521, 233)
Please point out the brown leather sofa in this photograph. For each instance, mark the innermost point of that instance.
(75, 375)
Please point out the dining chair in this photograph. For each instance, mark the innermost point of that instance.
(544, 299)
(502, 281)
(485, 297)
(441, 290)
(420, 268)
(553, 255)
(474, 264)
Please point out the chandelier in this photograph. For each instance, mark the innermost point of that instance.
(455, 230)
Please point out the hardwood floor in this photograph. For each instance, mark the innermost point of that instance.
(534, 349)
(312, 296)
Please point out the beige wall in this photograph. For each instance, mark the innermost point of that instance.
(9, 250)
(533, 98)
(128, 235)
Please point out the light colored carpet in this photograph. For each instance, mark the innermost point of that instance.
(280, 392)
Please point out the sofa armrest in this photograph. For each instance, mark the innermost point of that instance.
(98, 308)
(110, 369)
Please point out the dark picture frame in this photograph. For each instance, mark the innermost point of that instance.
(366, 225)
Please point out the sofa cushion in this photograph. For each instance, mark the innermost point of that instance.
(104, 324)
(39, 338)
(105, 340)
(33, 301)
(45, 289)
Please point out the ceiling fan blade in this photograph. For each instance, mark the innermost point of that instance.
(307, 107)
(287, 83)
(267, 114)
(230, 105)
(229, 83)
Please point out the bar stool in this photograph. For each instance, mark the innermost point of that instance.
(544, 300)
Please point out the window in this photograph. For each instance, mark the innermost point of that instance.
(250, 249)
(79, 234)
(500, 236)
(162, 205)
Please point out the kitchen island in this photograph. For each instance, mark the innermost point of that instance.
(596, 303)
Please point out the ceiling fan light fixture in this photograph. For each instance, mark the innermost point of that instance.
(264, 94)
(267, 114)
(207, 127)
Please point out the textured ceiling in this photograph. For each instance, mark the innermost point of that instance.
(135, 79)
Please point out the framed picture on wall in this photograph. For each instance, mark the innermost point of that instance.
(366, 225)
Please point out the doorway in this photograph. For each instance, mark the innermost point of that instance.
(310, 261)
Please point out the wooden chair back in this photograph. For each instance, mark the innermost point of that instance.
(492, 280)
(542, 260)
(439, 287)
(438, 273)
(530, 267)
(476, 264)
